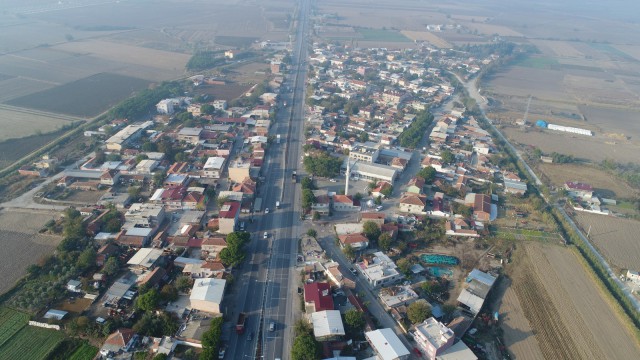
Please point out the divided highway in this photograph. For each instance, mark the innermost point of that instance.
(267, 282)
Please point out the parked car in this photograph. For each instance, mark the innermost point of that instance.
(379, 207)
(272, 326)
(266, 235)
(266, 211)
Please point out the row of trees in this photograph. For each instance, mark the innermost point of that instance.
(411, 136)
(203, 60)
(305, 346)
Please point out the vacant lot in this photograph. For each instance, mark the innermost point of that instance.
(22, 245)
(540, 83)
(558, 48)
(602, 181)
(225, 92)
(614, 121)
(566, 310)
(18, 123)
(87, 97)
(616, 238)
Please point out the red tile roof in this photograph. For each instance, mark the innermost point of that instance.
(120, 338)
(229, 209)
(320, 294)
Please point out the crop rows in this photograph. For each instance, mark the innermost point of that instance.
(31, 343)
(10, 323)
(84, 352)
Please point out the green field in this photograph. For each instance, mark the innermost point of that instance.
(382, 35)
(235, 41)
(31, 343)
(21, 342)
(10, 323)
(84, 352)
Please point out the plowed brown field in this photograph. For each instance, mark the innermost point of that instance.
(566, 309)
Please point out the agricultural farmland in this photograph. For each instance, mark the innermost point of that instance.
(87, 97)
(31, 343)
(22, 244)
(20, 341)
(616, 238)
(84, 352)
(18, 123)
(518, 335)
(567, 311)
(11, 322)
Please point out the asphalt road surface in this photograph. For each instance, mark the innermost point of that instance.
(267, 281)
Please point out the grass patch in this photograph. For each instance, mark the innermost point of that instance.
(539, 63)
(382, 35)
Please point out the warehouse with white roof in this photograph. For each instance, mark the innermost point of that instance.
(207, 294)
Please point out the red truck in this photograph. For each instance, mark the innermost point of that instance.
(242, 319)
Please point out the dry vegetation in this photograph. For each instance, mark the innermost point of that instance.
(566, 310)
(22, 245)
(616, 238)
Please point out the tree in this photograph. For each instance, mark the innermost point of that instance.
(207, 109)
(316, 216)
(134, 191)
(371, 230)
(428, 174)
(307, 199)
(148, 301)
(87, 258)
(322, 164)
(305, 347)
(160, 357)
(384, 241)
(418, 311)
(183, 283)
(448, 309)
(111, 267)
(149, 146)
(354, 319)
(113, 225)
(447, 157)
(211, 339)
(169, 293)
(349, 252)
(181, 157)
(387, 191)
(312, 232)
(100, 157)
(232, 256)
(404, 265)
(158, 178)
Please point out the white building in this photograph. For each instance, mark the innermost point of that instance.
(126, 135)
(372, 172)
(433, 337)
(475, 290)
(570, 129)
(379, 270)
(327, 325)
(166, 106)
(206, 295)
(213, 167)
(387, 345)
